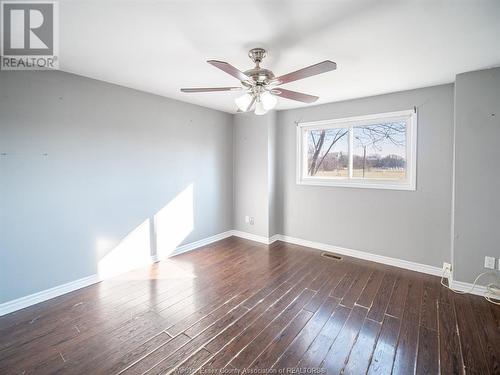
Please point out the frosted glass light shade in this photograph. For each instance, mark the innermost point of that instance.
(268, 100)
(259, 108)
(243, 102)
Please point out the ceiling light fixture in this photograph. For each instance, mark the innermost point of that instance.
(261, 103)
(261, 85)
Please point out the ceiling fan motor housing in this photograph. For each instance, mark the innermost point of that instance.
(258, 74)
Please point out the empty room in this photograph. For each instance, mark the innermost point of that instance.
(217, 187)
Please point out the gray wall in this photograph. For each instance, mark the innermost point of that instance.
(409, 225)
(252, 176)
(114, 157)
(477, 179)
(272, 171)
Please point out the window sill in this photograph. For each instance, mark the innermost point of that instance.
(384, 185)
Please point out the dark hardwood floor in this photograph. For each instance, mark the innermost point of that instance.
(240, 305)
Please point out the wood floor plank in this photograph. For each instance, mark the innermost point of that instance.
(156, 356)
(322, 279)
(406, 352)
(345, 284)
(381, 300)
(369, 292)
(383, 356)
(190, 365)
(124, 361)
(414, 295)
(338, 354)
(398, 297)
(356, 289)
(449, 346)
(489, 329)
(471, 342)
(261, 339)
(337, 272)
(255, 312)
(278, 345)
(362, 351)
(318, 350)
(293, 276)
(296, 350)
(430, 297)
(445, 295)
(199, 320)
(184, 353)
(173, 360)
(218, 326)
(428, 353)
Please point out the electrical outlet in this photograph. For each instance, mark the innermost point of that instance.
(249, 220)
(489, 262)
(446, 270)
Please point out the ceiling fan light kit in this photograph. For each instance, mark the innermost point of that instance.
(261, 85)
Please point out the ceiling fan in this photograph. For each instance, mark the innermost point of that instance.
(260, 84)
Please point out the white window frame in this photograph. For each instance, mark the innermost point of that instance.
(350, 122)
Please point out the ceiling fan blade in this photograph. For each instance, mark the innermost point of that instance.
(211, 89)
(309, 71)
(229, 69)
(294, 95)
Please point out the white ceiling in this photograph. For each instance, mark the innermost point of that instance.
(379, 46)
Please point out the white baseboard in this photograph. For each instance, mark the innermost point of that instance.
(252, 237)
(479, 290)
(274, 238)
(44, 295)
(196, 244)
(419, 267)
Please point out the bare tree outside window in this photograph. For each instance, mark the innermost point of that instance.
(379, 151)
(328, 153)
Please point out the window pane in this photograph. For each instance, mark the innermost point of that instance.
(327, 153)
(380, 151)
